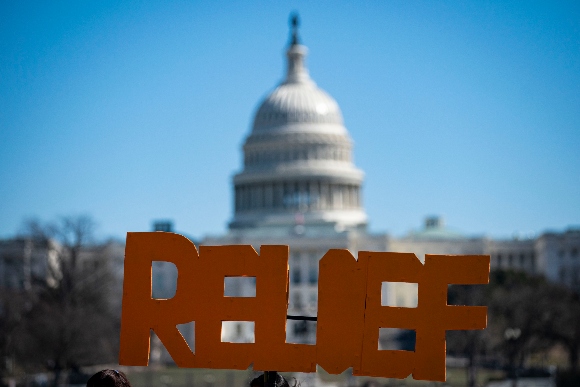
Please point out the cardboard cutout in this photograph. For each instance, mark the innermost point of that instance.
(349, 313)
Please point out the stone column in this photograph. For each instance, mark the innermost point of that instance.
(269, 196)
(252, 196)
(278, 194)
(323, 195)
(260, 195)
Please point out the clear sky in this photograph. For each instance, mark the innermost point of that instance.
(134, 111)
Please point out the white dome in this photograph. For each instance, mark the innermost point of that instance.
(297, 99)
(297, 103)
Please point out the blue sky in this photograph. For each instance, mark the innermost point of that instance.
(134, 111)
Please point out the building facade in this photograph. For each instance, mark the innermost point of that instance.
(24, 261)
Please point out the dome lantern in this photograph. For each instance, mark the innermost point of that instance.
(297, 72)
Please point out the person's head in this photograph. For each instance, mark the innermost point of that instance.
(259, 381)
(109, 378)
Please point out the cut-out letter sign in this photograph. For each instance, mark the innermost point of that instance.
(350, 313)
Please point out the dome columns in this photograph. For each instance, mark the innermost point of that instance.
(297, 196)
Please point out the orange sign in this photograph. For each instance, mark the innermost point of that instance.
(349, 312)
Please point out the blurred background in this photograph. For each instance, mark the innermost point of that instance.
(131, 117)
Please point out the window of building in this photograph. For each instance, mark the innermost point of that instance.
(296, 271)
(312, 269)
(574, 253)
(499, 260)
(301, 328)
(296, 275)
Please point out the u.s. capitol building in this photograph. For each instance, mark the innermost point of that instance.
(299, 187)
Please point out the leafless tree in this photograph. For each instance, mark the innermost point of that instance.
(471, 344)
(71, 321)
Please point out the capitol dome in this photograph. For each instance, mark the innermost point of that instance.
(297, 99)
(298, 168)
